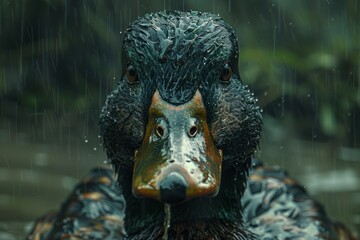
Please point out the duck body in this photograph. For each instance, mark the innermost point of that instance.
(275, 206)
(180, 129)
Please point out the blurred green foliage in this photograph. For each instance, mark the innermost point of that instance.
(302, 58)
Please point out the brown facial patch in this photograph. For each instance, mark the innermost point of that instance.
(177, 153)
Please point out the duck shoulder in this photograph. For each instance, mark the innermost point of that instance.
(95, 209)
(277, 205)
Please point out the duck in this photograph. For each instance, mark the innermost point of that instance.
(180, 130)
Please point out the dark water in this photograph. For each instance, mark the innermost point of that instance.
(36, 175)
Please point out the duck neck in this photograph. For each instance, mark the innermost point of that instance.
(146, 216)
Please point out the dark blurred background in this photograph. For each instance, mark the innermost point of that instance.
(60, 58)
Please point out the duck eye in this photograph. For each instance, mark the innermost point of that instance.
(131, 75)
(226, 73)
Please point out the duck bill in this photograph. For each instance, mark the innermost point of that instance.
(178, 159)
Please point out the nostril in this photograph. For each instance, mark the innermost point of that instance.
(171, 161)
(159, 131)
(193, 131)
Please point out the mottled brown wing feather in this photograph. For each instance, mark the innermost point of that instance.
(276, 205)
(94, 210)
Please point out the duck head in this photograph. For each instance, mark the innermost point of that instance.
(180, 127)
